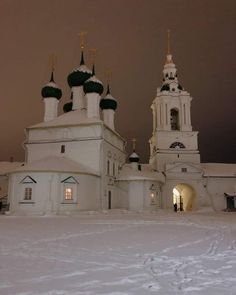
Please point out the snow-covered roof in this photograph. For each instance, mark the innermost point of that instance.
(219, 169)
(94, 79)
(83, 68)
(56, 164)
(7, 167)
(147, 173)
(77, 117)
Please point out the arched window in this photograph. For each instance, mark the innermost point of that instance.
(174, 119)
(177, 144)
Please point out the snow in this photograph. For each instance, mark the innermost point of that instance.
(109, 96)
(56, 164)
(146, 173)
(83, 69)
(119, 253)
(73, 118)
(53, 85)
(219, 169)
(6, 167)
(94, 79)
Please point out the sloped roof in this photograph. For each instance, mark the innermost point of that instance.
(147, 173)
(219, 169)
(68, 119)
(56, 164)
(6, 167)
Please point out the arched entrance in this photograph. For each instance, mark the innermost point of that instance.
(183, 197)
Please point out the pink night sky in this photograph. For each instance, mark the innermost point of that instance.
(131, 40)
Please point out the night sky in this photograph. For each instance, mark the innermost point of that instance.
(130, 36)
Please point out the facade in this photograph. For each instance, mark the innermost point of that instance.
(77, 161)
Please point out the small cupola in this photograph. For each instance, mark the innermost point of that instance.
(51, 89)
(134, 158)
(78, 76)
(108, 102)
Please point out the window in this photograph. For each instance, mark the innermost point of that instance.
(68, 193)
(183, 169)
(63, 149)
(114, 169)
(28, 193)
(108, 167)
(69, 190)
(177, 145)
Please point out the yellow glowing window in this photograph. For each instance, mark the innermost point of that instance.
(68, 193)
(28, 193)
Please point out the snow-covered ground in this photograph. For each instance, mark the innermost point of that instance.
(119, 253)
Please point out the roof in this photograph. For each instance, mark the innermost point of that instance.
(55, 164)
(219, 169)
(147, 173)
(6, 167)
(76, 117)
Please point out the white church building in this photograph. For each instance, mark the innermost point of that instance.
(77, 161)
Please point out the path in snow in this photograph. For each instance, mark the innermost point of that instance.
(119, 254)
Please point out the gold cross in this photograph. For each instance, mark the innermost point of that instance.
(134, 140)
(82, 36)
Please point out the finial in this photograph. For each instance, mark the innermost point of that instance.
(82, 44)
(108, 74)
(52, 62)
(134, 140)
(93, 53)
(82, 39)
(168, 41)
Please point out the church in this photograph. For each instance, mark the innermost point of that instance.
(77, 161)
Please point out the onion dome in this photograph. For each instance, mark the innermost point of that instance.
(67, 107)
(134, 157)
(108, 102)
(93, 85)
(51, 89)
(78, 76)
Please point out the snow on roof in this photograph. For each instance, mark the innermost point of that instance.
(52, 84)
(76, 117)
(94, 79)
(146, 173)
(56, 164)
(83, 69)
(219, 169)
(7, 167)
(109, 96)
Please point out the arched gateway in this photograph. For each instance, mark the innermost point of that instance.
(184, 197)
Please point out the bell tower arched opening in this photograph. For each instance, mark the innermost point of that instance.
(183, 197)
(174, 119)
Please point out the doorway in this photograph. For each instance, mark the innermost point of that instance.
(183, 197)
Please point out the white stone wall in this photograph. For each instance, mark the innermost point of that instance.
(47, 193)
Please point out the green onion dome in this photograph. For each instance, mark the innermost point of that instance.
(78, 76)
(93, 85)
(51, 90)
(134, 157)
(108, 102)
(67, 107)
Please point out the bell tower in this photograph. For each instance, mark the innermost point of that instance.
(172, 138)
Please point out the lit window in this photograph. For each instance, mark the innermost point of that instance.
(68, 194)
(28, 193)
